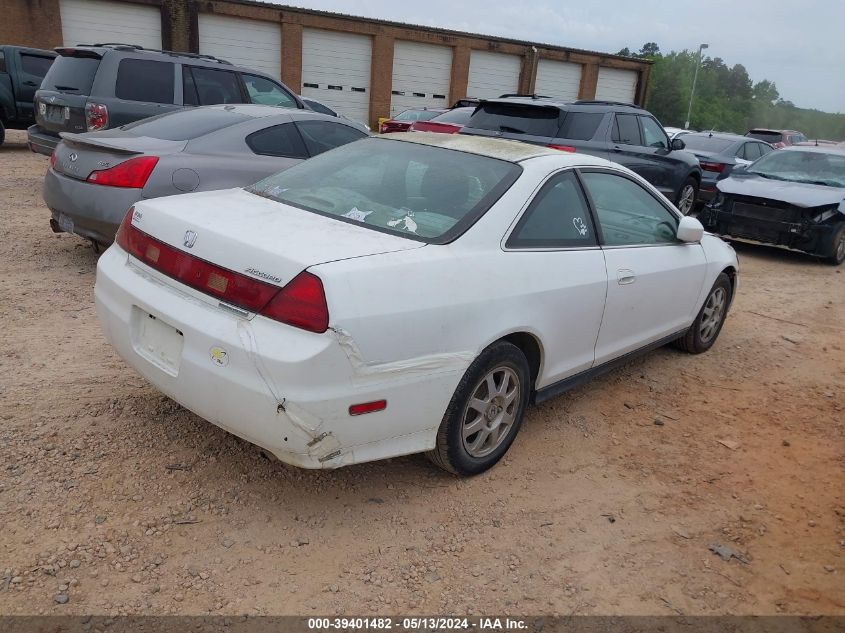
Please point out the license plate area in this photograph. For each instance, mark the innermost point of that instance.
(57, 114)
(158, 342)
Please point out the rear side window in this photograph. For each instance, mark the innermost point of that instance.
(557, 218)
(184, 125)
(215, 86)
(71, 74)
(516, 119)
(751, 151)
(266, 92)
(36, 65)
(626, 130)
(765, 149)
(321, 136)
(280, 140)
(145, 80)
(459, 117)
(319, 107)
(580, 126)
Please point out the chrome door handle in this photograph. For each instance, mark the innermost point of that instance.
(625, 276)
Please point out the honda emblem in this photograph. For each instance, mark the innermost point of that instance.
(190, 238)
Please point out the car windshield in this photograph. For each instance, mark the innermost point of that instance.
(808, 166)
(416, 115)
(185, 125)
(707, 143)
(418, 191)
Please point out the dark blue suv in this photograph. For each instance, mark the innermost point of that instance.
(619, 132)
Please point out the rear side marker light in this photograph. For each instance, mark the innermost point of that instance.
(131, 174)
(368, 407)
(562, 148)
(301, 303)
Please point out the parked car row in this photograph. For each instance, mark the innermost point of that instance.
(327, 294)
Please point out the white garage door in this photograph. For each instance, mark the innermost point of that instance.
(561, 80)
(336, 71)
(248, 43)
(421, 74)
(97, 21)
(616, 85)
(492, 74)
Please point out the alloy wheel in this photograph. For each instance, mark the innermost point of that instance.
(491, 411)
(687, 200)
(712, 315)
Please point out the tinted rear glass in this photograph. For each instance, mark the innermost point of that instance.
(581, 126)
(459, 117)
(71, 74)
(416, 191)
(514, 118)
(185, 125)
(145, 80)
(769, 137)
(706, 143)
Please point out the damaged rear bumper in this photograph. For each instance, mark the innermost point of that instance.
(284, 389)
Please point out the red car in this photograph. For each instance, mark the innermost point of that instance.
(449, 122)
(402, 122)
(777, 138)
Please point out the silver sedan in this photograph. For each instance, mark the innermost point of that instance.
(95, 177)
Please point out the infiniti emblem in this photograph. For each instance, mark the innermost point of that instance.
(190, 238)
(72, 156)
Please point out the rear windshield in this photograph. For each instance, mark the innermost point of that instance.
(71, 74)
(417, 191)
(460, 116)
(516, 119)
(416, 115)
(184, 125)
(706, 143)
(769, 137)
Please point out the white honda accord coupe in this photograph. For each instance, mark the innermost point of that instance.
(407, 293)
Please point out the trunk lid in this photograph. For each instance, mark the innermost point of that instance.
(257, 237)
(80, 154)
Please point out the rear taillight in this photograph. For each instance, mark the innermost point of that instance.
(708, 166)
(383, 128)
(562, 148)
(96, 116)
(301, 303)
(132, 173)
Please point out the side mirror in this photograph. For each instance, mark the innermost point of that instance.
(678, 143)
(689, 230)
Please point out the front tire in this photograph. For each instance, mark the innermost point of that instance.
(705, 329)
(837, 246)
(485, 412)
(687, 196)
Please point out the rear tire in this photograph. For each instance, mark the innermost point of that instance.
(837, 246)
(485, 412)
(705, 329)
(687, 195)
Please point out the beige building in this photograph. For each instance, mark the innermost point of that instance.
(364, 68)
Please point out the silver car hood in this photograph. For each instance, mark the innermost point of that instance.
(796, 193)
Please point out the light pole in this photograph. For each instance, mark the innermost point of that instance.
(694, 79)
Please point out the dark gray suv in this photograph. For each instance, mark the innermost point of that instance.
(105, 86)
(620, 132)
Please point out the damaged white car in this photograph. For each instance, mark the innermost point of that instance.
(408, 293)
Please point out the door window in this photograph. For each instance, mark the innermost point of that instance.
(653, 134)
(216, 86)
(750, 151)
(557, 218)
(628, 214)
(320, 136)
(35, 64)
(626, 130)
(266, 92)
(145, 80)
(279, 140)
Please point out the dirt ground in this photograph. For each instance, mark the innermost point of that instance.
(115, 500)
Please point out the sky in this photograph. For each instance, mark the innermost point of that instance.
(798, 44)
